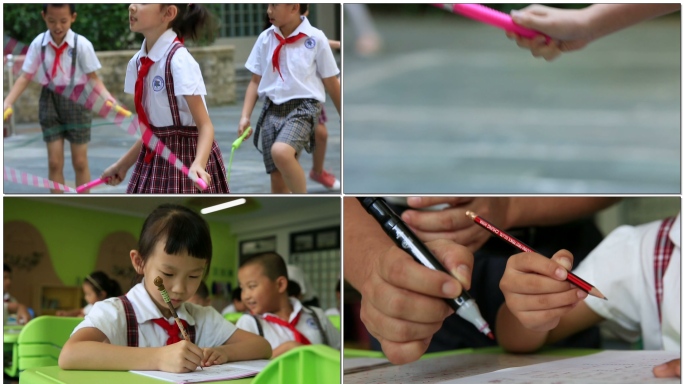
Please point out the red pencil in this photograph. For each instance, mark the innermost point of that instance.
(574, 279)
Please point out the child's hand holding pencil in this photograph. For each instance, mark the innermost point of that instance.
(180, 357)
(536, 289)
(183, 355)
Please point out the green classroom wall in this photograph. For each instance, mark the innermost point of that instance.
(73, 237)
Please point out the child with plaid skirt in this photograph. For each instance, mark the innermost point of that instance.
(292, 65)
(61, 58)
(169, 99)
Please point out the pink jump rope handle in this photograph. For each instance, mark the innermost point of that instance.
(493, 17)
(89, 185)
(201, 183)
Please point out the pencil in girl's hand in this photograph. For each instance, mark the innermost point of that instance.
(165, 295)
(574, 279)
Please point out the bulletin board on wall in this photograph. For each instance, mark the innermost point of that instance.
(317, 253)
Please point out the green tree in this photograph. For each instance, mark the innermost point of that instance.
(105, 25)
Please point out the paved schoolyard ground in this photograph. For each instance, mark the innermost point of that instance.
(452, 106)
(26, 152)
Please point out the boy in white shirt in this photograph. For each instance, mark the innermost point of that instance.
(292, 66)
(282, 320)
(61, 58)
(638, 270)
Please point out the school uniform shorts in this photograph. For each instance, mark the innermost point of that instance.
(61, 118)
(292, 123)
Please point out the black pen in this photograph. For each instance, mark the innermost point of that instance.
(404, 238)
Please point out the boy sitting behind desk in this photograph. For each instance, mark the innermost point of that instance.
(282, 320)
(637, 269)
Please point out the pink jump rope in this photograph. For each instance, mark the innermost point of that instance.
(492, 17)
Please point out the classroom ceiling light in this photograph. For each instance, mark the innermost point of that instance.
(218, 207)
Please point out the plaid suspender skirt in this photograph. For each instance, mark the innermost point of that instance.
(158, 175)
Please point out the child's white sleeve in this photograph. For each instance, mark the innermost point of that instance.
(87, 58)
(187, 75)
(615, 267)
(109, 317)
(326, 66)
(131, 75)
(212, 329)
(248, 323)
(32, 59)
(254, 62)
(330, 330)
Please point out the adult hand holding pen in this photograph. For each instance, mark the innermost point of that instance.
(451, 222)
(402, 304)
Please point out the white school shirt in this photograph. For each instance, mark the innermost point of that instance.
(86, 309)
(277, 334)
(303, 64)
(211, 329)
(622, 268)
(187, 80)
(87, 60)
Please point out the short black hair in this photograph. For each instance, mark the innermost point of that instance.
(102, 283)
(7, 268)
(72, 7)
(202, 290)
(303, 8)
(236, 294)
(293, 288)
(272, 263)
(338, 285)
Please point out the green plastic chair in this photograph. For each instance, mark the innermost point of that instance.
(40, 342)
(312, 364)
(233, 317)
(335, 320)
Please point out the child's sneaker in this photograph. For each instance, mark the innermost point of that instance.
(328, 180)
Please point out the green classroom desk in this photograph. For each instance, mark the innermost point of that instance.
(11, 334)
(311, 364)
(55, 375)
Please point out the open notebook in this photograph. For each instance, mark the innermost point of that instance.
(227, 371)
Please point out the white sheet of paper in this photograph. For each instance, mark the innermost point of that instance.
(623, 367)
(438, 369)
(228, 371)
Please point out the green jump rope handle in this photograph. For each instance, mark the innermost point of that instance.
(237, 143)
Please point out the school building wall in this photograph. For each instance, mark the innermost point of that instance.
(73, 237)
(216, 62)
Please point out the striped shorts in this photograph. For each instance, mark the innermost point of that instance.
(292, 123)
(61, 118)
